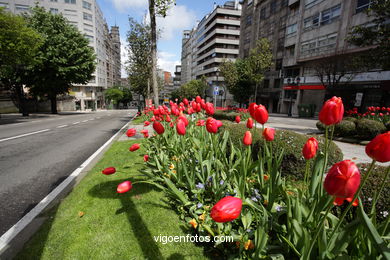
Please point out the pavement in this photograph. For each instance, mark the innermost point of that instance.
(37, 153)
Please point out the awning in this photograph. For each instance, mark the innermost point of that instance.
(307, 87)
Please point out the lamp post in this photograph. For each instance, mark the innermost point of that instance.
(294, 83)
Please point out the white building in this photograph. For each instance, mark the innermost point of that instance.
(88, 18)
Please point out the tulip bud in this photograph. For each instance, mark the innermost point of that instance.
(200, 122)
(181, 127)
(261, 114)
(146, 158)
(198, 99)
(209, 109)
(249, 123)
(252, 108)
(109, 171)
(238, 119)
(146, 123)
(332, 111)
(185, 101)
(184, 118)
(310, 148)
(131, 132)
(269, 134)
(158, 127)
(247, 138)
(342, 181)
(134, 147)
(227, 209)
(124, 187)
(211, 125)
(379, 148)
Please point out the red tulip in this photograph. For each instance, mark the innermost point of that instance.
(200, 122)
(252, 108)
(134, 147)
(181, 127)
(211, 125)
(269, 134)
(131, 132)
(209, 109)
(342, 181)
(171, 124)
(219, 123)
(185, 101)
(198, 99)
(227, 209)
(167, 118)
(310, 148)
(261, 114)
(124, 187)
(238, 119)
(184, 118)
(379, 148)
(146, 123)
(247, 138)
(146, 158)
(249, 123)
(109, 171)
(332, 111)
(158, 127)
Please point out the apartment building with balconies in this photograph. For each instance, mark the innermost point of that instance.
(87, 16)
(213, 39)
(314, 39)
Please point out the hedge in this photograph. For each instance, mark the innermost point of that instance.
(368, 129)
(229, 115)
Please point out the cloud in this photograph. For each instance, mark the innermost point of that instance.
(123, 5)
(167, 61)
(179, 18)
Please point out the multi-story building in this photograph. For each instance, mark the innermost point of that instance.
(88, 18)
(309, 40)
(213, 39)
(177, 78)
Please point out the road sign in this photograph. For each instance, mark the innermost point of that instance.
(216, 88)
(216, 93)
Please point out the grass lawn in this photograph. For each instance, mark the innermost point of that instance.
(138, 121)
(95, 222)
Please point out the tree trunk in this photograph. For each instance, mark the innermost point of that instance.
(21, 100)
(148, 90)
(256, 93)
(152, 14)
(53, 101)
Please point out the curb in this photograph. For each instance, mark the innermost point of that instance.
(12, 241)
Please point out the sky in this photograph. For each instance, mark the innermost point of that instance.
(182, 16)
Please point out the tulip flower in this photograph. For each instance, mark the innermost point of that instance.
(184, 118)
(185, 101)
(158, 127)
(181, 127)
(124, 187)
(134, 147)
(209, 109)
(249, 123)
(310, 148)
(247, 140)
(252, 108)
(168, 119)
(145, 132)
(198, 99)
(261, 114)
(269, 134)
(109, 171)
(200, 122)
(227, 209)
(379, 148)
(146, 158)
(332, 111)
(212, 125)
(193, 223)
(238, 119)
(342, 181)
(146, 123)
(131, 132)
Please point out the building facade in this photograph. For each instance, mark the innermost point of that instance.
(310, 47)
(213, 39)
(87, 16)
(177, 77)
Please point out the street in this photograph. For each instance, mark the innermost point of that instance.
(37, 154)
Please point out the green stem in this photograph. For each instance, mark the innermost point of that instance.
(379, 191)
(307, 167)
(354, 198)
(319, 227)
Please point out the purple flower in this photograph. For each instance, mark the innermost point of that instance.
(200, 185)
(254, 198)
(221, 182)
(199, 205)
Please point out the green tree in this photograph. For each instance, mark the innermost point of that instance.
(156, 7)
(139, 53)
(191, 89)
(127, 96)
(114, 95)
(18, 49)
(377, 34)
(66, 57)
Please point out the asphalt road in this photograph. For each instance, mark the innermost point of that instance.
(37, 154)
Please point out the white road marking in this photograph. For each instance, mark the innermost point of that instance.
(84, 121)
(92, 119)
(61, 126)
(23, 135)
(98, 117)
(75, 123)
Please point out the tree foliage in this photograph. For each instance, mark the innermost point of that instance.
(66, 58)
(376, 33)
(118, 94)
(139, 53)
(190, 90)
(19, 46)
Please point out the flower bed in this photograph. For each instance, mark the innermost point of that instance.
(220, 187)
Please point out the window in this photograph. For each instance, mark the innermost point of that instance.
(5, 5)
(273, 6)
(87, 16)
(330, 15)
(70, 1)
(311, 22)
(362, 5)
(290, 51)
(310, 3)
(291, 29)
(54, 1)
(280, 45)
(87, 5)
(266, 83)
(278, 64)
(249, 20)
(250, 2)
(319, 46)
(263, 13)
(54, 10)
(22, 8)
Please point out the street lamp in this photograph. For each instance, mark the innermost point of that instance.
(294, 83)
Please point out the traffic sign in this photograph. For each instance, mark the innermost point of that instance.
(216, 88)
(216, 93)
